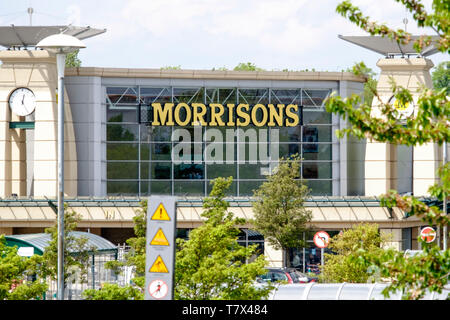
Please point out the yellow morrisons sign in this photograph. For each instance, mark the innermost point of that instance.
(231, 115)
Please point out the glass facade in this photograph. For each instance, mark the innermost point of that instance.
(139, 157)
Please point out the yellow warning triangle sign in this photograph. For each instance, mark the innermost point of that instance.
(159, 266)
(159, 239)
(160, 213)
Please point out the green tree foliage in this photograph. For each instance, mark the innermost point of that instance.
(135, 257)
(441, 76)
(278, 209)
(113, 292)
(247, 67)
(211, 264)
(76, 250)
(370, 86)
(413, 276)
(220, 69)
(171, 68)
(72, 59)
(430, 124)
(15, 272)
(340, 267)
(207, 266)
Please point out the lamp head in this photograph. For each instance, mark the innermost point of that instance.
(60, 43)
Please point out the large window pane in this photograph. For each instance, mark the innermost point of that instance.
(320, 188)
(314, 98)
(317, 170)
(163, 134)
(221, 95)
(151, 95)
(188, 171)
(159, 170)
(317, 134)
(312, 117)
(253, 152)
(212, 152)
(122, 170)
(122, 187)
(160, 151)
(317, 151)
(285, 96)
(188, 152)
(253, 171)
(123, 95)
(122, 132)
(246, 187)
(289, 134)
(122, 114)
(221, 170)
(188, 95)
(286, 150)
(122, 151)
(192, 188)
(156, 187)
(157, 133)
(253, 96)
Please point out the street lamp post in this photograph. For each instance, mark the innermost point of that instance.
(61, 45)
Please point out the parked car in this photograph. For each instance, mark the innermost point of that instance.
(290, 275)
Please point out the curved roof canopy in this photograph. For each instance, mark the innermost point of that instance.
(388, 47)
(29, 36)
(344, 291)
(41, 240)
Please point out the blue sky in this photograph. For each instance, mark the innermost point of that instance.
(202, 34)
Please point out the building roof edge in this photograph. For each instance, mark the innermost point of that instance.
(216, 74)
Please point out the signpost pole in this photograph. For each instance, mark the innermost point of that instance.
(321, 254)
(160, 248)
(321, 240)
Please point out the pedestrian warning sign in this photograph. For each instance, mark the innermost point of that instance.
(159, 239)
(158, 289)
(160, 213)
(159, 266)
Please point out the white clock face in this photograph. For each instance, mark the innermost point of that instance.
(22, 101)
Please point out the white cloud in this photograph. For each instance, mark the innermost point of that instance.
(74, 15)
(205, 33)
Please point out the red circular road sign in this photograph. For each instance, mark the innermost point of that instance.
(158, 289)
(428, 234)
(321, 239)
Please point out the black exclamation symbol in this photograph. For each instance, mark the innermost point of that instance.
(160, 213)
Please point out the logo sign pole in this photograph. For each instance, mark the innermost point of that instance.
(160, 248)
(428, 234)
(321, 240)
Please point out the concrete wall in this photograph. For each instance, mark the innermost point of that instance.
(88, 115)
(352, 150)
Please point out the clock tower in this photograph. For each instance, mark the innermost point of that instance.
(29, 114)
(28, 126)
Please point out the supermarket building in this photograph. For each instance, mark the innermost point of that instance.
(124, 128)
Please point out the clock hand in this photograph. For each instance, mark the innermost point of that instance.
(23, 98)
